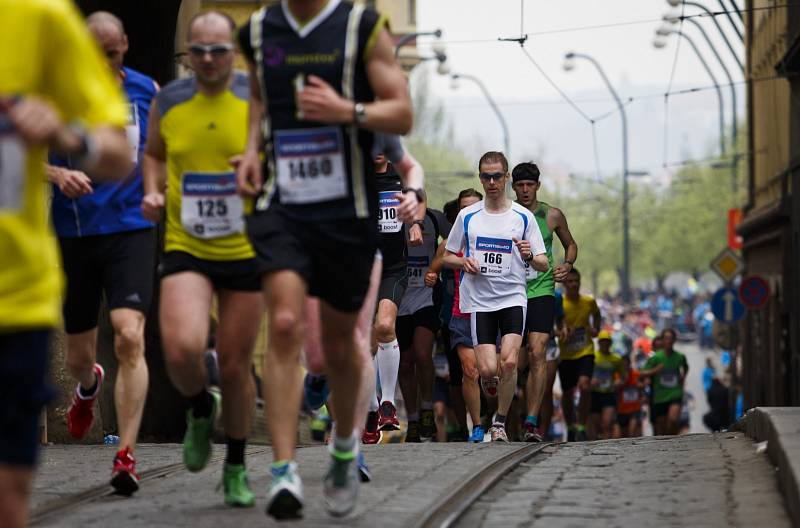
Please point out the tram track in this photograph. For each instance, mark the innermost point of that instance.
(452, 506)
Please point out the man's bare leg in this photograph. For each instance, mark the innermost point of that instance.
(509, 349)
(546, 411)
(469, 383)
(15, 489)
(536, 383)
(130, 391)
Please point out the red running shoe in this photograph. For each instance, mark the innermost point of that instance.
(123, 477)
(387, 417)
(81, 412)
(371, 435)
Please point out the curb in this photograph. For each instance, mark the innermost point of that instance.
(780, 428)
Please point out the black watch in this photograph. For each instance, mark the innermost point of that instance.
(420, 223)
(571, 263)
(420, 193)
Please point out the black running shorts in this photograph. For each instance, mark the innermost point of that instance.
(334, 257)
(406, 325)
(569, 370)
(24, 389)
(120, 264)
(601, 400)
(394, 282)
(541, 314)
(236, 275)
(485, 325)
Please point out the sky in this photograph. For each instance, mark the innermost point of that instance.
(541, 124)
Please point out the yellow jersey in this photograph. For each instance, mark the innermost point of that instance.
(205, 216)
(577, 317)
(45, 51)
(607, 369)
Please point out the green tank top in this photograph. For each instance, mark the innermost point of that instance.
(544, 283)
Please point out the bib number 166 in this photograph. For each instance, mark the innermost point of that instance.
(493, 258)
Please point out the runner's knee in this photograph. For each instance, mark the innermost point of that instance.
(285, 326)
(129, 343)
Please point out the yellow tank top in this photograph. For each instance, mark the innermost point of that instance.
(205, 217)
(577, 316)
(45, 51)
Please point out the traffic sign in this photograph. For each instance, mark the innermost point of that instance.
(754, 292)
(726, 306)
(727, 264)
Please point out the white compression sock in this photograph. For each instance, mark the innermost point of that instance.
(388, 359)
(373, 402)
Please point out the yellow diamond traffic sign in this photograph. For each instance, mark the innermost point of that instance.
(727, 264)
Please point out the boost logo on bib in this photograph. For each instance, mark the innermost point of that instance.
(494, 255)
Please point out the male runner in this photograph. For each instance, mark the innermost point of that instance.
(541, 290)
(53, 87)
(668, 369)
(607, 377)
(417, 325)
(197, 125)
(552, 355)
(323, 75)
(108, 248)
(498, 237)
(460, 337)
(581, 324)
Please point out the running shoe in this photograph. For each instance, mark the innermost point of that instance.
(477, 435)
(320, 423)
(315, 391)
(387, 417)
(124, 478)
(580, 435)
(197, 440)
(571, 433)
(498, 433)
(285, 495)
(412, 434)
(363, 469)
(340, 487)
(427, 424)
(531, 433)
(81, 412)
(489, 386)
(371, 434)
(236, 486)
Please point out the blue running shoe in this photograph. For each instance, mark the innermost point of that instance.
(363, 470)
(477, 435)
(315, 390)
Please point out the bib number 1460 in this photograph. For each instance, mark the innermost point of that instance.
(312, 168)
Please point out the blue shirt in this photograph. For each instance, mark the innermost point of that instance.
(113, 207)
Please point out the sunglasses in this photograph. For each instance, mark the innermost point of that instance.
(496, 176)
(215, 50)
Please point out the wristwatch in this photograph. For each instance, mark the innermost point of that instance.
(359, 114)
(420, 223)
(420, 193)
(570, 262)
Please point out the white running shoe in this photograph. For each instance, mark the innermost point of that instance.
(285, 495)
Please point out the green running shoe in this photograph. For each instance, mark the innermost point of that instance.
(236, 486)
(197, 440)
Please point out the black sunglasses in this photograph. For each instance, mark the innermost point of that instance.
(216, 50)
(497, 176)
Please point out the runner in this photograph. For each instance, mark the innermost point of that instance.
(498, 237)
(314, 224)
(668, 369)
(460, 332)
(629, 402)
(608, 375)
(417, 326)
(581, 324)
(38, 95)
(541, 291)
(552, 356)
(108, 249)
(197, 125)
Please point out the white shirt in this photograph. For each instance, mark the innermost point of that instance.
(488, 237)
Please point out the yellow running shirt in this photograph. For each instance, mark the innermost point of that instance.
(45, 51)
(608, 368)
(205, 216)
(577, 317)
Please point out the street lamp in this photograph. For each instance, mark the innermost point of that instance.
(734, 121)
(660, 42)
(676, 3)
(569, 65)
(408, 37)
(454, 85)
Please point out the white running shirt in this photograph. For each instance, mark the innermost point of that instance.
(488, 237)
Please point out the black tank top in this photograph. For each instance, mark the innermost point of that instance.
(391, 234)
(314, 171)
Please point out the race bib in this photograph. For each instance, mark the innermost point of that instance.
(630, 395)
(132, 131)
(530, 273)
(494, 255)
(417, 268)
(578, 340)
(387, 212)
(669, 379)
(13, 158)
(604, 377)
(310, 165)
(210, 207)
